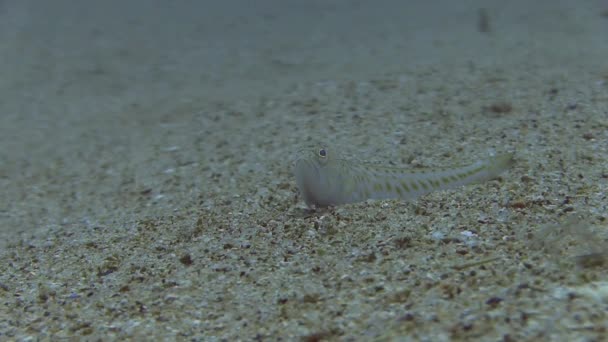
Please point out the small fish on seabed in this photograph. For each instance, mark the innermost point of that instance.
(326, 179)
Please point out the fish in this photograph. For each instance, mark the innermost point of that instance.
(326, 179)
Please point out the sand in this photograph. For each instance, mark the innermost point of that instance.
(147, 190)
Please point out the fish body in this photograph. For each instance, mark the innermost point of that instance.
(325, 179)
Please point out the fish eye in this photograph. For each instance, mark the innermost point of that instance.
(322, 153)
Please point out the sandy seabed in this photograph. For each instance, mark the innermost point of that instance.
(147, 187)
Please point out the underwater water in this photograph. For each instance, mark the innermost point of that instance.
(147, 152)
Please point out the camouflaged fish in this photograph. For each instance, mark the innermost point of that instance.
(325, 179)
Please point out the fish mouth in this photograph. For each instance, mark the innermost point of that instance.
(303, 168)
(307, 176)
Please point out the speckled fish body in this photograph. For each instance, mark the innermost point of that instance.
(324, 179)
